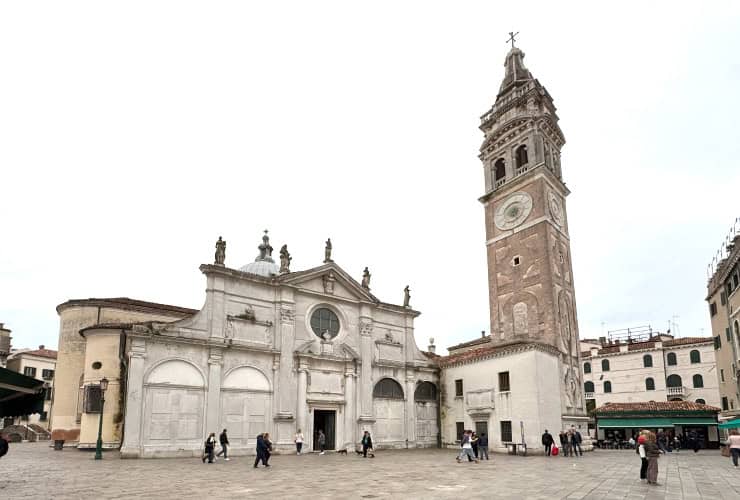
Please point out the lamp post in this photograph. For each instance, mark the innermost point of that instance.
(99, 446)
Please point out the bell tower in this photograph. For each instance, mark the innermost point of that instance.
(531, 292)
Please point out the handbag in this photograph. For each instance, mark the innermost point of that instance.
(725, 451)
(555, 450)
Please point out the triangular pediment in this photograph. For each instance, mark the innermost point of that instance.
(329, 279)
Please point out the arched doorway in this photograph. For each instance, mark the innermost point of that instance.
(390, 412)
(426, 406)
(245, 405)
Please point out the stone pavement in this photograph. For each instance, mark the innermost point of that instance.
(33, 470)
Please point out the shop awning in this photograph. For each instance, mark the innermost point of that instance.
(730, 424)
(623, 423)
(694, 421)
(19, 394)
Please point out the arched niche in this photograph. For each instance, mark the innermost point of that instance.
(246, 378)
(175, 372)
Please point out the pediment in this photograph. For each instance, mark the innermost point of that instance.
(329, 279)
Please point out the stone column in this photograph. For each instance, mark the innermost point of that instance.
(410, 409)
(131, 447)
(216, 307)
(350, 419)
(213, 396)
(366, 370)
(301, 405)
(285, 335)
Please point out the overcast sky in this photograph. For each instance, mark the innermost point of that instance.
(133, 134)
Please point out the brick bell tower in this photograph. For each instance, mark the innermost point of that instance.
(532, 298)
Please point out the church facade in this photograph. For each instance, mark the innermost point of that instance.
(270, 351)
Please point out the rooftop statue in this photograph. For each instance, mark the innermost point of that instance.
(366, 279)
(285, 259)
(220, 252)
(327, 252)
(406, 296)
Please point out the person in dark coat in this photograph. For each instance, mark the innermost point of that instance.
(210, 445)
(547, 442)
(367, 444)
(575, 443)
(483, 446)
(474, 443)
(563, 444)
(694, 441)
(224, 440)
(653, 452)
(4, 446)
(262, 451)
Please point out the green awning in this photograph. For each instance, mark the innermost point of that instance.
(694, 421)
(19, 394)
(623, 423)
(730, 424)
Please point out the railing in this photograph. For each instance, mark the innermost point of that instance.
(500, 182)
(589, 395)
(676, 391)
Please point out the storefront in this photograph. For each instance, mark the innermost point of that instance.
(690, 422)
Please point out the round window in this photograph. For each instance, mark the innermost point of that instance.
(97, 365)
(325, 323)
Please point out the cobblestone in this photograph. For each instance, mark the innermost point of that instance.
(33, 470)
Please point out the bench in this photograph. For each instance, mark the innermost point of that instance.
(512, 447)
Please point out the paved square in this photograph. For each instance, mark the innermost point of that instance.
(33, 470)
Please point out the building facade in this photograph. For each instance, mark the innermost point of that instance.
(723, 299)
(270, 351)
(662, 368)
(40, 364)
(525, 377)
(4, 345)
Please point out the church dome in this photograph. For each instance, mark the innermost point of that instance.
(263, 265)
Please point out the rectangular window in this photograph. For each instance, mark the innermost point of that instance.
(506, 431)
(43, 416)
(92, 398)
(29, 371)
(722, 375)
(717, 342)
(725, 404)
(503, 382)
(47, 394)
(712, 308)
(459, 429)
(728, 334)
(47, 374)
(722, 298)
(458, 387)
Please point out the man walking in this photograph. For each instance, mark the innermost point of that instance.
(367, 444)
(564, 447)
(483, 446)
(467, 448)
(547, 442)
(224, 440)
(575, 442)
(261, 451)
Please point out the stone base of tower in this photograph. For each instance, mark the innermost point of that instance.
(512, 392)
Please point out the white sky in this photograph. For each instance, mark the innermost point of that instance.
(133, 134)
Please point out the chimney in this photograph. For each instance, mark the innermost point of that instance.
(431, 347)
(41, 347)
(602, 341)
(482, 334)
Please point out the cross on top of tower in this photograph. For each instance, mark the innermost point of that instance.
(512, 38)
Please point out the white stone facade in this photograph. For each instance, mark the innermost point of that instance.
(250, 362)
(627, 375)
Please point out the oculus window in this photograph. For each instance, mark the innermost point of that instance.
(325, 323)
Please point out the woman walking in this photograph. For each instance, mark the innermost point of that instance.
(298, 442)
(210, 445)
(733, 441)
(643, 457)
(653, 452)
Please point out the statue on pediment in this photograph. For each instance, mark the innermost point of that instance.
(406, 296)
(220, 252)
(327, 252)
(285, 259)
(366, 279)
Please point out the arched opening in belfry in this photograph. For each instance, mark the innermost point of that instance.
(499, 169)
(522, 157)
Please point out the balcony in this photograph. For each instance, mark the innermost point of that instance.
(677, 391)
(590, 395)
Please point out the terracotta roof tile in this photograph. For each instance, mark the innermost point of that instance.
(482, 352)
(655, 406)
(688, 340)
(481, 340)
(44, 353)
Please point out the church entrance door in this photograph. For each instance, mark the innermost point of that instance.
(324, 420)
(481, 428)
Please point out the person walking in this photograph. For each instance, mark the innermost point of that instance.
(224, 440)
(261, 448)
(209, 447)
(367, 444)
(322, 441)
(298, 440)
(467, 448)
(733, 441)
(575, 442)
(547, 442)
(483, 446)
(694, 441)
(4, 446)
(653, 452)
(643, 457)
(564, 447)
(474, 443)
(268, 448)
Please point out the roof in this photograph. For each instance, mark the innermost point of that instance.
(129, 305)
(486, 352)
(650, 344)
(482, 340)
(654, 407)
(44, 353)
(19, 394)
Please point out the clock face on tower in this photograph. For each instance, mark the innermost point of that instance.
(556, 210)
(513, 211)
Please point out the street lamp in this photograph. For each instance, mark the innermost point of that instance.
(99, 447)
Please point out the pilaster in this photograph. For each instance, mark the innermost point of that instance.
(350, 419)
(131, 446)
(410, 406)
(301, 406)
(213, 397)
(366, 369)
(285, 403)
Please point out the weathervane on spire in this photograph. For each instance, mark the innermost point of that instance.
(512, 38)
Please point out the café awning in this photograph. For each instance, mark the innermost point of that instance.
(19, 394)
(624, 423)
(730, 424)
